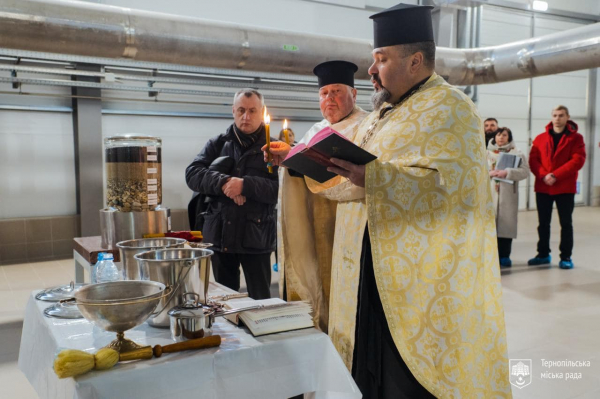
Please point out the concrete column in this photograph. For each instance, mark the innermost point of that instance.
(444, 27)
(87, 133)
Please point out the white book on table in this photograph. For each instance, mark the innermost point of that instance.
(277, 315)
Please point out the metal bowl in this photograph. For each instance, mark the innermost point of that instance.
(119, 305)
(130, 248)
(58, 293)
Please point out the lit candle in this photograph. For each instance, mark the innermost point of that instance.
(267, 119)
(285, 132)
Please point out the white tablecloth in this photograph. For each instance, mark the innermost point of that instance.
(274, 366)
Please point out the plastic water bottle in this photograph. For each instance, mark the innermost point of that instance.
(94, 271)
(106, 270)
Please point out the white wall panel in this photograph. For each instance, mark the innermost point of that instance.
(494, 33)
(554, 24)
(561, 86)
(502, 106)
(542, 106)
(523, 194)
(520, 130)
(505, 16)
(516, 87)
(37, 167)
(538, 125)
(522, 145)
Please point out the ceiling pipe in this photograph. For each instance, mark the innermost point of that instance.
(560, 52)
(95, 30)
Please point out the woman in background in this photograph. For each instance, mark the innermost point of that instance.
(291, 136)
(506, 193)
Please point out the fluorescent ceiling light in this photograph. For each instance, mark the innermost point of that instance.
(539, 5)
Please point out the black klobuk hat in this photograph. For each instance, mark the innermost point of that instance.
(334, 72)
(402, 24)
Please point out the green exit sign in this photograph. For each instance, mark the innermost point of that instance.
(290, 47)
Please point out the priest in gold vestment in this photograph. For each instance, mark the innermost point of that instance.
(416, 301)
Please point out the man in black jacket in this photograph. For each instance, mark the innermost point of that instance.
(240, 219)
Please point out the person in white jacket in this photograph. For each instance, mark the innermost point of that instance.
(505, 192)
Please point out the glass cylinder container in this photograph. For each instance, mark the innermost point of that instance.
(133, 172)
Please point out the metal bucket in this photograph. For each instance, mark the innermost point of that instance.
(129, 248)
(186, 270)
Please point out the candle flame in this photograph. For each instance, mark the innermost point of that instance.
(285, 123)
(267, 117)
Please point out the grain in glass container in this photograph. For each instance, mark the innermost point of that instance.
(133, 172)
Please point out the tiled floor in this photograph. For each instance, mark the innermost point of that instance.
(551, 314)
(554, 314)
(16, 284)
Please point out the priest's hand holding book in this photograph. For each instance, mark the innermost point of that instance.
(327, 154)
(354, 173)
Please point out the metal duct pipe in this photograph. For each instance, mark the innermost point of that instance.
(567, 51)
(87, 29)
(96, 30)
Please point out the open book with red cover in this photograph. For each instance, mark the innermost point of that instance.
(312, 160)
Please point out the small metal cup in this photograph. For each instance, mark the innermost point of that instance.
(193, 320)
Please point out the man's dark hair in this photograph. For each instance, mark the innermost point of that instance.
(426, 48)
(491, 119)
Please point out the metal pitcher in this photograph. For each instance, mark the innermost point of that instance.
(186, 270)
(129, 248)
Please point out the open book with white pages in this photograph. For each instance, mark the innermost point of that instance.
(505, 161)
(277, 315)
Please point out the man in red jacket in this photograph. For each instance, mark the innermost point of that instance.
(555, 158)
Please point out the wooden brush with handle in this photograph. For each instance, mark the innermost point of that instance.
(70, 362)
